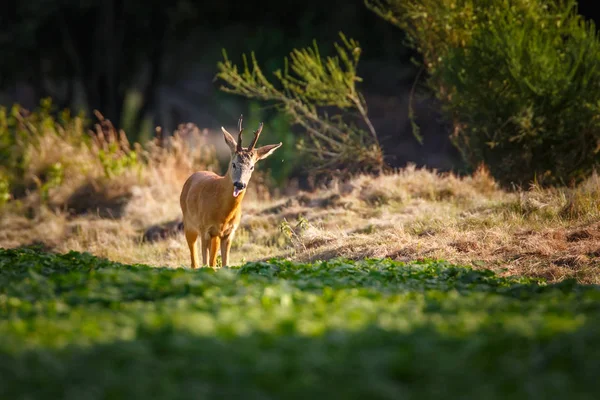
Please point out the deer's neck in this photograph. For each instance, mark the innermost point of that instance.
(230, 204)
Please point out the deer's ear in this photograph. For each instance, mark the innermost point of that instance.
(266, 151)
(229, 140)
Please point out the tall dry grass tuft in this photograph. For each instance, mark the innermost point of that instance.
(413, 183)
(579, 204)
(583, 202)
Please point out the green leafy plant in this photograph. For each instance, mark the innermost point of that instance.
(25, 135)
(281, 329)
(310, 88)
(518, 79)
(54, 178)
(294, 233)
(4, 190)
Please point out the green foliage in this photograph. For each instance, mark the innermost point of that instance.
(310, 85)
(74, 326)
(4, 190)
(432, 26)
(22, 135)
(115, 161)
(519, 80)
(112, 149)
(293, 233)
(54, 178)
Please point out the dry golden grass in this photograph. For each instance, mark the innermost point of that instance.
(411, 214)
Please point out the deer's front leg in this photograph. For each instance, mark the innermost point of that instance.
(214, 246)
(225, 247)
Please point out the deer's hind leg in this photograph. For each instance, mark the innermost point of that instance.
(191, 237)
(204, 245)
(225, 249)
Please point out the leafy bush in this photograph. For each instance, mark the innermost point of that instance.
(74, 326)
(312, 87)
(39, 148)
(22, 134)
(519, 80)
(4, 190)
(113, 152)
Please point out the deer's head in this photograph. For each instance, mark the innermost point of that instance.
(243, 159)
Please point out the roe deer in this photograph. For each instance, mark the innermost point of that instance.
(212, 204)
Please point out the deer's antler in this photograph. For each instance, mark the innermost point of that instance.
(256, 135)
(240, 129)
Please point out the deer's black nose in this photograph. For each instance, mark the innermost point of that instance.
(239, 185)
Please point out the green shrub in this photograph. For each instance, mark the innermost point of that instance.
(54, 178)
(113, 150)
(4, 190)
(519, 80)
(30, 144)
(318, 94)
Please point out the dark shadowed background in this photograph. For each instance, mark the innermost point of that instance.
(148, 63)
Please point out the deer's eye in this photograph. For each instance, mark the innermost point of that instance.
(234, 166)
(251, 168)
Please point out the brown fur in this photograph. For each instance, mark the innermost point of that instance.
(210, 211)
